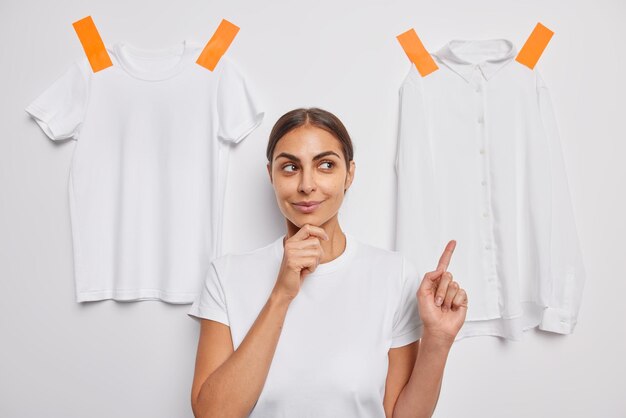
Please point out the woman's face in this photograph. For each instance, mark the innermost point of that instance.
(308, 166)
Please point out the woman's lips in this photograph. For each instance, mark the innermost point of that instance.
(307, 209)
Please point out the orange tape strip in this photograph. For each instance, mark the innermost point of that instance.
(417, 53)
(534, 46)
(218, 44)
(92, 44)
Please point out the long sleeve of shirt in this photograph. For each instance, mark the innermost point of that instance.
(563, 292)
(417, 202)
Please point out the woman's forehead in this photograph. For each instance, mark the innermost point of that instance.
(307, 141)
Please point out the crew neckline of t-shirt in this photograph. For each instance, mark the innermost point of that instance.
(126, 52)
(323, 269)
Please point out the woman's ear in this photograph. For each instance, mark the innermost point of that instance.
(350, 175)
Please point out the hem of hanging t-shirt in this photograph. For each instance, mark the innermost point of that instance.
(249, 126)
(136, 295)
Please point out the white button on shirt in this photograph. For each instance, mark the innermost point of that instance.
(479, 161)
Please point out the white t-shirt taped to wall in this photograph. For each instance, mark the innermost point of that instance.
(332, 355)
(152, 138)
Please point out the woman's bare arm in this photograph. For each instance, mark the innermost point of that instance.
(442, 307)
(234, 387)
(421, 393)
(234, 381)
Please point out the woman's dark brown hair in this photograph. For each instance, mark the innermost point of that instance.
(312, 116)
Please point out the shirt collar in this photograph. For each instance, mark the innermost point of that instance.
(493, 55)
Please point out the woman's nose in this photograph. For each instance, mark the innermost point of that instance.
(307, 181)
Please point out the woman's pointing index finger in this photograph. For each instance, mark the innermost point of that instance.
(444, 260)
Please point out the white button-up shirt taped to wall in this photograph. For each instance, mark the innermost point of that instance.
(479, 160)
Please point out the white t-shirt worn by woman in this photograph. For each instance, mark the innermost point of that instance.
(332, 355)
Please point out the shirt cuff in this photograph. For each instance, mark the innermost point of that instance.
(557, 320)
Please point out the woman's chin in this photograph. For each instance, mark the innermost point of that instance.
(300, 219)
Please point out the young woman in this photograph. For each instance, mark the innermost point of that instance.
(317, 323)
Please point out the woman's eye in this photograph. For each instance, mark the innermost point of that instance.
(331, 165)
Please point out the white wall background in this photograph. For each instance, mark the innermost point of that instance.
(114, 359)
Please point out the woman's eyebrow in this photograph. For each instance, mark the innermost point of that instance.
(317, 157)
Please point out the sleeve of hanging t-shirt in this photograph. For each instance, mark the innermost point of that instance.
(237, 106)
(210, 302)
(60, 109)
(407, 324)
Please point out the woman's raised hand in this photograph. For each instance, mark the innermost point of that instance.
(301, 256)
(442, 302)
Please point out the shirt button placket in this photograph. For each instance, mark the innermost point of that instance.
(480, 120)
(486, 220)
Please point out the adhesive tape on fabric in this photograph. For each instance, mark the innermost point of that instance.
(217, 45)
(92, 44)
(534, 46)
(417, 53)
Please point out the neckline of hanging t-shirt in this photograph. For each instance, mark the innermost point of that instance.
(324, 269)
(125, 53)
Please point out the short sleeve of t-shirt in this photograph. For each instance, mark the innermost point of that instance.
(407, 325)
(60, 109)
(211, 302)
(237, 107)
